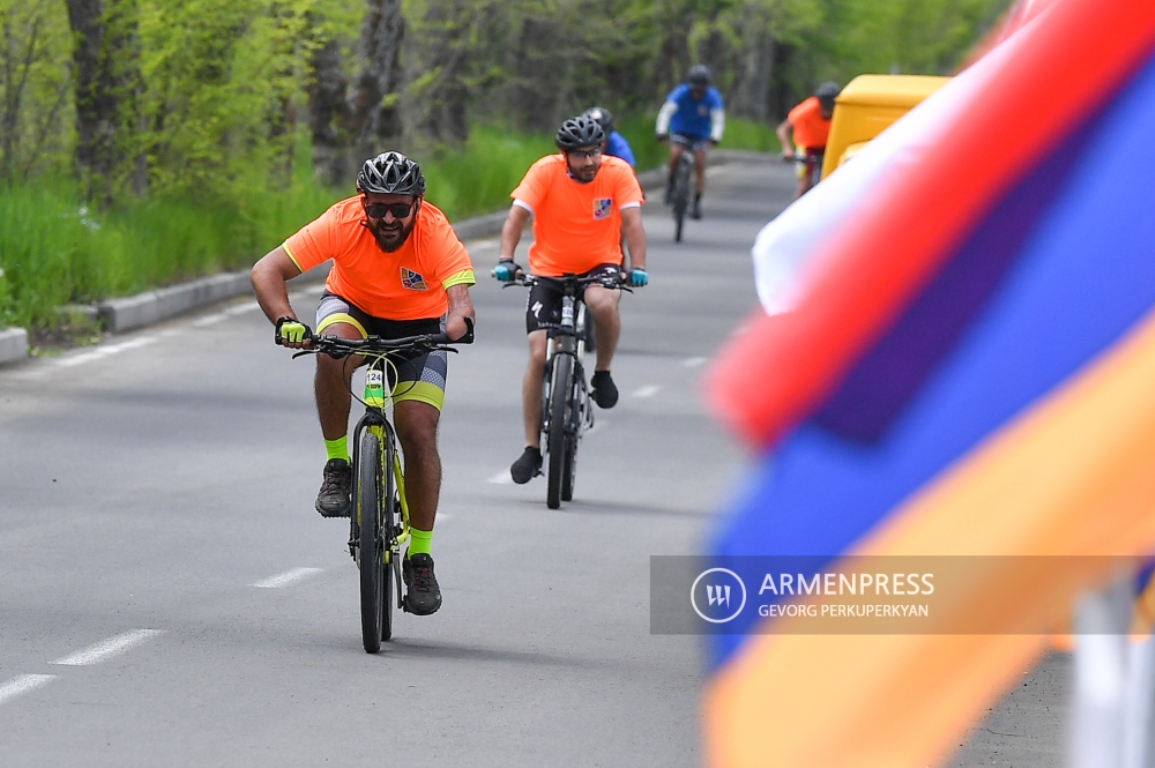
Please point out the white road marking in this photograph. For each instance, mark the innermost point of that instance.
(105, 350)
(693, 362)
(207, 320)
(22, 684)
(483, 244)
(106, 649)
(313, 290)
(502, 478)
(649, 391)
(241, 309)
(288, 578)
(714, 170)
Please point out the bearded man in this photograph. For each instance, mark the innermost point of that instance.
(398, 270)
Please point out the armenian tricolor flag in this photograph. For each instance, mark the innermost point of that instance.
(968, 369)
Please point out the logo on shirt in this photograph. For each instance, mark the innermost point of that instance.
(703, 110)
(412, 280)
(602, 207)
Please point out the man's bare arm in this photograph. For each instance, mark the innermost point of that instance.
(635, 236)
(785, 128)
(511, 231)
(269, 276)
(460, 307)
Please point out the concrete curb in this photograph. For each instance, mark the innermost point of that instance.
(13, 345)
(126, 314)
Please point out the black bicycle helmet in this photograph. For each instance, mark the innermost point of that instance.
(603, 117)
(827, 93)
(698, 76)
(578, 132)
(391, 173)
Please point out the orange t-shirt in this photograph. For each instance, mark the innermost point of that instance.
(810, 129)
(408, 284)
(576, 226)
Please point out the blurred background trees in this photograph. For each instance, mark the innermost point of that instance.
(164, 97)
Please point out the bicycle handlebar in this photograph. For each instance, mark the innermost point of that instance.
(337, 347)
(528, 281)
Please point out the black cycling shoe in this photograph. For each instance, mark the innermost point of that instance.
(604, 391)
(333, 500)
(527, 466)
(424, 596)
(696, 209)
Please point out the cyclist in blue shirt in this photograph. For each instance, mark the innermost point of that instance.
(615, 144)
(693, 116)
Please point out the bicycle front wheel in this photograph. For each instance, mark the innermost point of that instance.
(559, 424)
(372, 544)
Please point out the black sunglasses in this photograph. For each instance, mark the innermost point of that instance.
(582, 154)
(399, 210)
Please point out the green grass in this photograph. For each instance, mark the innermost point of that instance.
(55, 251)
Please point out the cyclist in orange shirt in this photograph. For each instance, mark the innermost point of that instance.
(580, 202)
(810, 124)
(398, 270)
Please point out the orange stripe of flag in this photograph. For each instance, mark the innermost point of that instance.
(1072, 476)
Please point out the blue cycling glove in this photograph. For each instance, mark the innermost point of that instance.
(638, 278)
(506, 270)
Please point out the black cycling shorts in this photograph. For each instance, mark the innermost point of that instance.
(543, 306)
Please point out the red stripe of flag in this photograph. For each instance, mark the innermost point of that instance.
(877, 264)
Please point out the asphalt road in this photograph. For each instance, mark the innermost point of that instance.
(168, 596)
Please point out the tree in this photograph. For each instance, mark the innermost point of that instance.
(108, 90)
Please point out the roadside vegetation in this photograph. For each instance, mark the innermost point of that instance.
(144, 142)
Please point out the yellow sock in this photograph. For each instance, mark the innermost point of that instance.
(337, 449)
(419, 541)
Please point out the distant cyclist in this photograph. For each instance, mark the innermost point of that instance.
(580, 201)
(398, 270)
(692, 116)
(810, 124)
(615, 144)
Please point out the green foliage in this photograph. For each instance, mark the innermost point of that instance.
(58, 250)
(36, 88)
(217, 94)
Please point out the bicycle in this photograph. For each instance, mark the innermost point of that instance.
(566, 407)
(680, 197)
(380, 508)
(807, 164)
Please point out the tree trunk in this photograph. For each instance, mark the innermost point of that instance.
(375, 122)
(108, 85)
(328, 113)
(753, 71)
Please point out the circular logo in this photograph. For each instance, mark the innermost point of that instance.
(721, 589)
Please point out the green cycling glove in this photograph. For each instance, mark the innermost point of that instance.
(291, 331)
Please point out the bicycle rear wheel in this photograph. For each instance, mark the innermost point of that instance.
(681, 196)
(560, 389)
(372, 561)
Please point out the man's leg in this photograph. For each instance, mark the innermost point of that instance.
(416, 424)
(675, 156)
(603, 305)
(331, 390)
(699, 181)
(529, 463)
